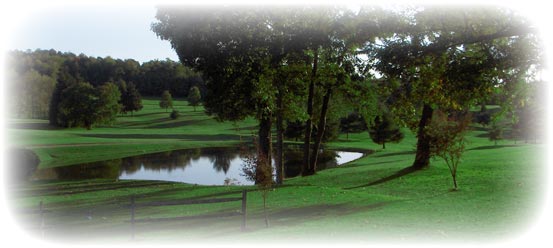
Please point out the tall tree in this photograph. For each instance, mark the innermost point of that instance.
(131, 99)
(226, 45)
(166, 100)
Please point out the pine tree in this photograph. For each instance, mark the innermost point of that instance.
(384, 130)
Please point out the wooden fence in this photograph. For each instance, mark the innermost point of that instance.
(41, 211)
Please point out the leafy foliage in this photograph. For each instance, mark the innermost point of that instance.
(77, 107)
(36, 77)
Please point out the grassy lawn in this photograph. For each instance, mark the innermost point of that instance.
(367, 200)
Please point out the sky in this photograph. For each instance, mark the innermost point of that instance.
(119, 31)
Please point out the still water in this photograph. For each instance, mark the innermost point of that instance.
(205, 166)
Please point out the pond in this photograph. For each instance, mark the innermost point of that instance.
(205, 166)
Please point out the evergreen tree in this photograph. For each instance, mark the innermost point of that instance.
(166, 100)
(353, 123)
(384, 130)
(194, 97)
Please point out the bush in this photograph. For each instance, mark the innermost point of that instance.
(174, 114)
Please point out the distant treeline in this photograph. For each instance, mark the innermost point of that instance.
(32, 77)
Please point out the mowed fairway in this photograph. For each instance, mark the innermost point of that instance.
(371, 199)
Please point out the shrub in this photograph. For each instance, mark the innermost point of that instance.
(174, 114)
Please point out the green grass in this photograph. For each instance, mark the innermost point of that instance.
(367, 200)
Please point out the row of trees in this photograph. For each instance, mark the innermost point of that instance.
(33, 76)
(304, 64)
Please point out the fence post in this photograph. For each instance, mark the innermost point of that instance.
(41, 212)
(132, 217)
(244, 198)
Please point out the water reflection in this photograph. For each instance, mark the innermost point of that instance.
(207, 166)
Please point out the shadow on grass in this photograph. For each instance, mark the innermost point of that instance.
(134, 124)
(491, 147)
(201, 137)
(176, 124)
(396, 175)
(394, 154)
(250, 128)
(298, 215)
(33, 126)
(374, 163)
(140, 115)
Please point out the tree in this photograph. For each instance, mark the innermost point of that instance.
(353, 123)
(495, 133)
(108, 105)
(384, 130)
(166, 100)
(452, 59)
(131, 99)
(243, 54)
(194, 97)
(448, 141)
(77, 107)
(174, 114)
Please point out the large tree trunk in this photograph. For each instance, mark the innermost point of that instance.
(280, 140)
(308, 124)
(422, 158)
(320, 131)
(265, 147)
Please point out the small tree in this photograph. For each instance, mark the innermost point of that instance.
(166, 100)
(495, 133)
(194, 97)
(384, 130)
(257, 169)
(448, 139)
(174, 114)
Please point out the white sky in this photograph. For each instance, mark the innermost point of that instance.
(119, 31)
